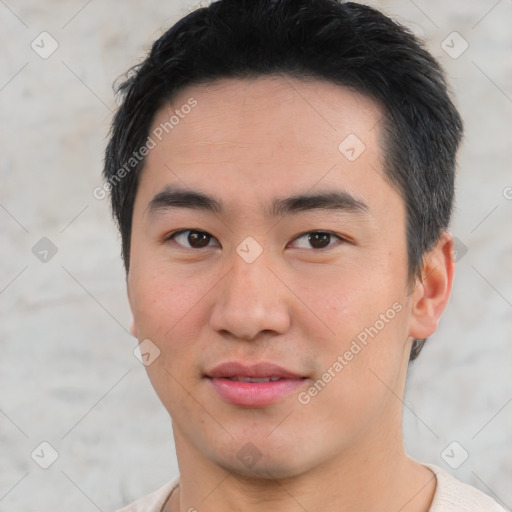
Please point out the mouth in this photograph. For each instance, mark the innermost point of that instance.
(239, 378)
(255, 385)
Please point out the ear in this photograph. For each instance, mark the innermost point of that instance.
(432, 291)
(133, 328)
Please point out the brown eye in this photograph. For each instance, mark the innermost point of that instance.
(192, 239)
(316, 240)
(319, 240)
(198, 239)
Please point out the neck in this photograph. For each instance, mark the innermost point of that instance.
(378, 476)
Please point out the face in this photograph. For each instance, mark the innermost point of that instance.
(266, 243)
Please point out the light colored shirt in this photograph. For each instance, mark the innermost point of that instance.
(451, 496)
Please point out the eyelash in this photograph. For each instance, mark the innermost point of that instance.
(172, 236)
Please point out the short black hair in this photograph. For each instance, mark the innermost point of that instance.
(349, 44)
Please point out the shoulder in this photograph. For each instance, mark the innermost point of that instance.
(453, 495)
(153, 502)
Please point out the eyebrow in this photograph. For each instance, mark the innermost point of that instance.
(172, 197)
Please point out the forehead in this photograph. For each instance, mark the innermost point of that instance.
(266, 134)
(255, 110)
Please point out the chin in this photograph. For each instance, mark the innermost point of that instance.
(264, 467)
(260, 471)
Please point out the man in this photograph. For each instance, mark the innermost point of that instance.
(282, 174)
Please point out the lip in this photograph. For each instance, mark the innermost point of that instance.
(253, 394)
(258, 370)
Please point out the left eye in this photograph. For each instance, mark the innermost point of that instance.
(316, 240)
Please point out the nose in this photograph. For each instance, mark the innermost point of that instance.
(250, 301)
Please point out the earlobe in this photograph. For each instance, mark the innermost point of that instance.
(132, 329)
(432, 292)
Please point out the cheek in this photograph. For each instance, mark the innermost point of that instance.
(166, 309)
(367, 326)
(160, 301)
(169, 309)
(348, 301)
(364, 374)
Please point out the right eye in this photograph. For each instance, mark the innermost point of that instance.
(192, 238)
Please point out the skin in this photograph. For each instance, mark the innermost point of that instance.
(246, 143)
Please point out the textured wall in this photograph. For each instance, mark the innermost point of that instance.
(67, 373)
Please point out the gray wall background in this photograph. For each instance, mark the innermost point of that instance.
(68, 376)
